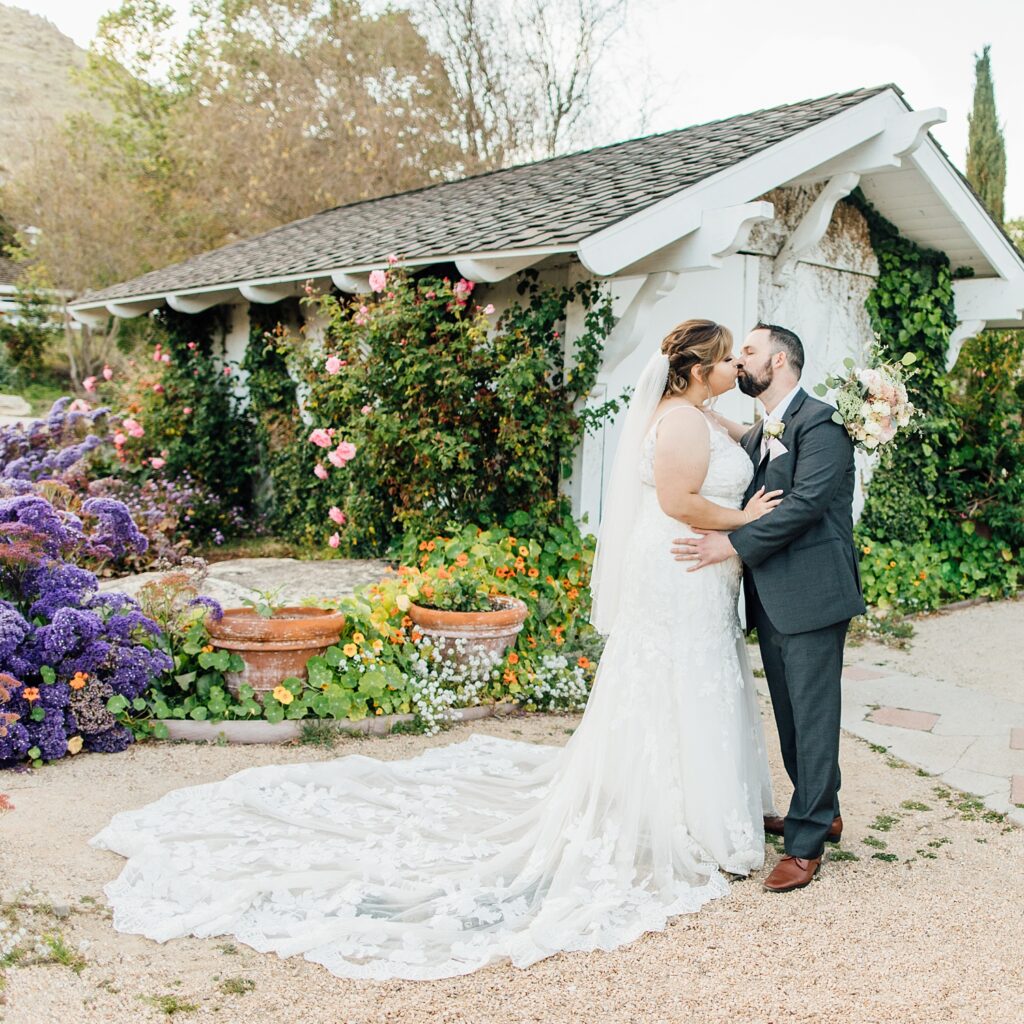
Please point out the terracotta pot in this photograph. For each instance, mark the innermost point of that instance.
(274, 648)
(491, 632)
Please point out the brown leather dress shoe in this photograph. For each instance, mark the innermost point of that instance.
(792, 873)
(777, 827)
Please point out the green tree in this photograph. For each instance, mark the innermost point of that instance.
(986, 151)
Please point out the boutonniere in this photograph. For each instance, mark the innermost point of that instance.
(774, 429)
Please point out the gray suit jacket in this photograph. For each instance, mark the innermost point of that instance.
(801, 557)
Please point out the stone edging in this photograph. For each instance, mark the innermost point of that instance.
(287, 731)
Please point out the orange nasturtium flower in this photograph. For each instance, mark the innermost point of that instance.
(513, 658)
(573, 594)
(509, 676)
(533, 573)
(524, 551)
(462, 559)
(283, 695)
(78, 680)
(208, 649)
(350, 650)
(30, 693)
(583, 662)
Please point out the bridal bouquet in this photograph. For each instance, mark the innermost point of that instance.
(872, 402)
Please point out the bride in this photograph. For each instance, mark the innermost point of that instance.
(489, 848)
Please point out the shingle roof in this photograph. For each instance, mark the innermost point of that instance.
(552, 203)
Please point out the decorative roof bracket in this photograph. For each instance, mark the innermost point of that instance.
(810, 231)
(127, 310)
(351, 284)
(267, 294)
(201, 301)
(964, 330)
(632, 325)
(488, 271)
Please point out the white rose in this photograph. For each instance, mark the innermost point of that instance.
(865, 411)
(873, 427)
(882, 408)
(871, 442)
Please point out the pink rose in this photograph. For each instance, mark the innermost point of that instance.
(108, 373)
(89, 383)
(187, 411)
(227, 371)
(320, 471)
(392, 258)
(489, 309)
(321, 438)
(346, 450)
(157, 463)
(156, 354)
(192, 346)
(165, 358)
(79, 405)
(366, 410)
(134, 427)
(334, 540)
(337, 516)
(119, 439)
(378, 280)
(158, 388)
(333, 365)
(463, 289)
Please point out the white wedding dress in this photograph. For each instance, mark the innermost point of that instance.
(488, 848)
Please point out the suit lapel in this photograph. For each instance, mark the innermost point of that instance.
(752, 443)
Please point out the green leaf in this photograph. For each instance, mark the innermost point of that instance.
(116, 704)
(837, 417)
(139, 704)
(199, 714)
(185, 679)
(820, 390)
(160, 731)
(48, 674)
(319, 673)
(34, 753)
(37, 714)
(909, 357)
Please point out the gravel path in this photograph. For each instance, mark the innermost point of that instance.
(923, 926)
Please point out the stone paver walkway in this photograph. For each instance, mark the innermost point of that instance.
(288, 579)
(971, 740)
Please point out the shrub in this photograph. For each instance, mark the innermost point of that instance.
(71, 653)
(422, 411)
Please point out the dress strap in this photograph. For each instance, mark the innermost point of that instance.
(675, 408)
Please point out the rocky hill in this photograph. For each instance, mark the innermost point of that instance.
(36, 87)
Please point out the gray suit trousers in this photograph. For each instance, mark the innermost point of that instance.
(803, 672)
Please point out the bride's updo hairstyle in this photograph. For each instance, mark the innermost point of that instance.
(693, 343)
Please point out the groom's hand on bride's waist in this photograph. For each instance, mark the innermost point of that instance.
(709, 547)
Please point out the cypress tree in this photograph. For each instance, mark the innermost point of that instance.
(986, 152)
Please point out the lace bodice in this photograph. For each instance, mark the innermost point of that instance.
(729, 468)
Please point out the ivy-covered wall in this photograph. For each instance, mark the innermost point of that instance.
(927, 532)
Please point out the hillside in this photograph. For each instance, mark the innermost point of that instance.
(36, 88)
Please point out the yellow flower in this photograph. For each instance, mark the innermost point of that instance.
(283, 695)
(524, 551)
(379, 711)
(358, 638)
(866, 549)
(892, 565)
(208, 649)
(350, 650)
(74, 744)
(378, 645)
(403, 602)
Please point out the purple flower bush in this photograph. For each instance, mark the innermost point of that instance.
(52, 449)
(70, 656)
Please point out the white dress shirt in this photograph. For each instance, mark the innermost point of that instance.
(775, 416)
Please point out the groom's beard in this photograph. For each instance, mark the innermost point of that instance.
(754, 384)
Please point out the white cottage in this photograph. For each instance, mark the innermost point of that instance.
(737, 220)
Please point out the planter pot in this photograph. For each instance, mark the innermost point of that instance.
(274, 648)
(490, 632)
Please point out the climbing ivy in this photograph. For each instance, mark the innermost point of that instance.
(943, 513)
(911, 310)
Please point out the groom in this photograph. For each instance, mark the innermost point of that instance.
(801, 583)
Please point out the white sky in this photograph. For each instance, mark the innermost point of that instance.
(703, 59)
